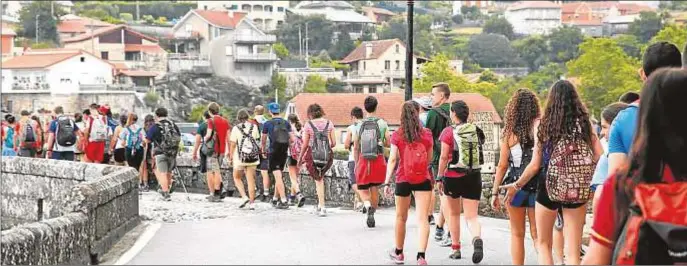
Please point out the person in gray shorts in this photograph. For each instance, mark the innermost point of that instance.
(165, 160)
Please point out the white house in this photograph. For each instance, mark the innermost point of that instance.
(55, 71)
(266, 15)
(482, 5)
(341, 13)
(534, 17)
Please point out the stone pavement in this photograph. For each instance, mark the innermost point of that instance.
(197, 232)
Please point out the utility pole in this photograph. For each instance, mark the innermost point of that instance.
(307, 54)
(300, 43)
(138, 12)
(37, 15)
(409, 53)
(52, 8)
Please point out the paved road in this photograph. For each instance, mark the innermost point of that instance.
(295, 236)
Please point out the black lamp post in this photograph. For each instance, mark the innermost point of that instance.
(409, 53)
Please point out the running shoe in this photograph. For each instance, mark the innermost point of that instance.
(431, 220)
(171, 186)
(301, 200)
(322, 212)
(281, 205)
(251, 206)
(396, 258)
(165, 196)
(439, 234)
(275, 202)
(371, 217)
(264, 197)
(146, 188)
(478, 252)
(245, 202)
(290, 200)
(447, 242)
(364, 210)
(421, 261)
(455, 255)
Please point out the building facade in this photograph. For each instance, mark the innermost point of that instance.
(71, 26)
(266, 15)
(341, 13)
(534, 17)
(482, 5)
(7, 44)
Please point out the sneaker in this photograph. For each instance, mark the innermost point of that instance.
(146, 188)
(358, 207)
(165, 196)
(171, 186)
(371, 217)
(245, 202)
(439, 234)
(364, 210)
(274, 202)
(213, 198)
(447, 242)
(281, 205)
(264, 198)
(322, 212)
(431, 220)
(398, 259)
(421, 261)
(301, 200)
(251, 206)
(218, 198)
(291, 200)
(455, 255)
(478, 253)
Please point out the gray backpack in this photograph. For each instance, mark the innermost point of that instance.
(370, 138)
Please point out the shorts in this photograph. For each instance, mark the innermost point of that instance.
(264, 163)
(134, 158)
(368, 186)
(351, 172)
(405, 189)
(27, 153)
(277, 158)
(468, 186)
(238, 167)
(543, 199)
(214, 163)
(524, 199)
(63, 155)
(120, 155)
(95, 151)
(292, 161)
(165, 164)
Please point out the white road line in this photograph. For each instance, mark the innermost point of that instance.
(141, 242)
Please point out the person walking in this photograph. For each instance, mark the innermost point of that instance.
(263, 167)
(198, 156)
(517, 143)
(565, 144)
(460, 178)
(601, 172)
(117, 144)
(165, 137)
(9, 137)
(356, 118)
(63, 133)
(411, 148)
(316, 153)
(28, 136)
(244, 153)
(278, 131)
(148, 159)
(214, 147)
(438, 119)
(97, 132)
(40, 141)
(78, 148)
(132, 135)
(296, 196)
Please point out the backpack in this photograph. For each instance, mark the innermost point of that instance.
(170, 137)
(468, 155)
(28, 136)
(296, 146)
(98, 130)
(370, 139)
(570, 170)
(415, 163)
(320, 146)
(280, 132)
(654, 231)
(249, 152)
(65, 132)
(208, 147)
(515, 172)
(9, 139)
(133, 140)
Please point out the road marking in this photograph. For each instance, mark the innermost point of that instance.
(141, 242)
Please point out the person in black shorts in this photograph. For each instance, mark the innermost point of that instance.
(278, 152)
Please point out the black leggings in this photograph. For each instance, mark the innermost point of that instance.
(134, 160)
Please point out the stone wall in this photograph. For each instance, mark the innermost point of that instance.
(64, 212)
(72, 103)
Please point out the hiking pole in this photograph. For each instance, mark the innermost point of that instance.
(181, 179)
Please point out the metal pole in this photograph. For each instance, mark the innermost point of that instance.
(307, 56)
(409, 53)
(37, 15)
(300, 43)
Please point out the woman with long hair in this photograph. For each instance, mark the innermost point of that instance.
(657, 164)
(40, 138)
(565, 119)
(296, 196)
(132, 136)
(411, 147)
(243, 152)
(317, 123)
(148, 160)
(117, 143)
(517, 143)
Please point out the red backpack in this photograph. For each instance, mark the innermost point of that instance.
(655, 231)
(415, 162)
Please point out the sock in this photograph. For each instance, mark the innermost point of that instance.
(398, 251)
(455, 246)
(266, 192)
(283, 200)
(367, 204)
(420, 255)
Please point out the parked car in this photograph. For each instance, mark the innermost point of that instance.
(188, 133)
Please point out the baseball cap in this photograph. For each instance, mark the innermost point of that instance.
(103, 109)
(274, 108)
(424, 102)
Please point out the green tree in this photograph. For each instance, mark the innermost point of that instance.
(646, 27)
(151, 99)
(629, 43)
(457, 19)
(438, 70)
(564, 42)
(149, 19)
(281, 50)
(320, 32)
(43, 45)
(343, 45)
(99, 14)
(335, 85)
(128, 17)
(675, 34)
(196, 113)
(488, 76)
(491, 50)
(533, 50)
(471, 12)
(278, 84)
(605, 72)
(315, 84)
(499, 25)
(47, 24)
(113, 20)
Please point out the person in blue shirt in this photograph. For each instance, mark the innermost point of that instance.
(278, 152)
(622, 131)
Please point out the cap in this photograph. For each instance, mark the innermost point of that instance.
(103, 109)
(274, 108)
(424, 102)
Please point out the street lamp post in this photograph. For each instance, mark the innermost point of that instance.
(37, 15)
(409, 53)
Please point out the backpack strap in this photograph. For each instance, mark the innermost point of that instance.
(314, 129)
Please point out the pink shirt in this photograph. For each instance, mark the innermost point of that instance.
(398, 140)
(320, 124)
(447, 138)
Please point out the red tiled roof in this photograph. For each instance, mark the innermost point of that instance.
(338, 106)
(8, 31)
(584, 21)
(533, 5)
(120, 66)
(632, 8)
(138, 73)
(147, 48)
(38, 60)
(80, 25)
(221, 19)
(378, 48)
(104, 30)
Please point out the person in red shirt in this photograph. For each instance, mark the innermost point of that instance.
(218, 128)
(660, 146)
(402, 150)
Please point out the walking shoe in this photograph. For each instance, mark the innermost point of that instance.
(146, 188)
(439, 234)
(364, 210)
(251, 206)
(478, 252)
(281, 205)
(245, 202)
(322, 212)
(264, 197)
(275, 202)
(447, 242)
(165, 196)
(171, 186)
(396, 258)
(291, 200)
(421, 261)
(213, 198)
(371, 217)
(455, 255)
(301, 200)
(431, 220)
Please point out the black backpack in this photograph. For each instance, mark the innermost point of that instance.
(208, 147)
(280, 133)
(170, 138)
(65, 132)
(320, 146)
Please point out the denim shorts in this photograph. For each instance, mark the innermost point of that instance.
(524, 199)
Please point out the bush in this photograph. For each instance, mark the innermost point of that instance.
(128, 17)
(148, 19)
(151, 99)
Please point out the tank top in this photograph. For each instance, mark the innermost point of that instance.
(516, 155)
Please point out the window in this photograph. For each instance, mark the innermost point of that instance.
(280, 9)
(398, 48)
(398, 65)
(387, 65)
(234, 7)
(9, 106)
(238, 66)
(262, 67)
(188, 27)
(83, 59)
(228, 51)
(372, 89)
(364, 65)
(358, 89)
(105, 55)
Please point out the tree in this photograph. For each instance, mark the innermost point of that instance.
(149, 19)
(95, 13)
(196, 113)
(423, 36)
(605, 72)
(335, 85)
(457, 19)
(315, 84)
(629, 43)
(278, 84)
(342, 46)
(281, 50)
(438, 70)
(674, 34)
(647, 26)
(499, 25)
(491, 50)
(488, 76)
(564, 43)
(533, 50)
(128, 17)
(470, 12)
(320, 32)
(151, 99)
(47, 23)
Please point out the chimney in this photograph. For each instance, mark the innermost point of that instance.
(368, 50)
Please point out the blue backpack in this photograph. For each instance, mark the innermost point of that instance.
(132, 144)
(9, 140)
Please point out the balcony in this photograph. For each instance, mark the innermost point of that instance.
(256, 58)
(107, 87)
(394, 73)
(256, 39)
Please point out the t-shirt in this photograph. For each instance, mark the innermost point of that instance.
(603, 227)
(53, 129)
(237, 137)
(220, 126)
(268, 128)
(320, 125)
(124, 136)
(447, 138)
(353, 129)
(398, 140)
(436, 124)
(601, 171)
(622, 130)
(202, 129)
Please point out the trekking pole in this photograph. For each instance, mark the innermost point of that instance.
(181, 179)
